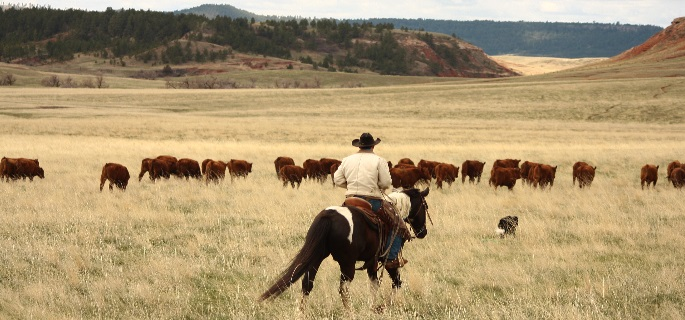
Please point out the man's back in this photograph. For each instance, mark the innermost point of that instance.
(364, 174)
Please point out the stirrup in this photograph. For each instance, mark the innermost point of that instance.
(396, 263)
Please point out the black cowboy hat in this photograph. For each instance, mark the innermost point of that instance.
(365, 140)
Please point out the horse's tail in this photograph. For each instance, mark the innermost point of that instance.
(312, 252)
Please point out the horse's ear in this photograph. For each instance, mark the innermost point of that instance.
(425, 192)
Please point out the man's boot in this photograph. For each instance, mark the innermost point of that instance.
(396, 263)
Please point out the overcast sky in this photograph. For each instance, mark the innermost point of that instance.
(652, 12)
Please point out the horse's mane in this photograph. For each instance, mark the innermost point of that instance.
(402, 203)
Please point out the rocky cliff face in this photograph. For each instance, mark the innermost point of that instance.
(464, 59)
(667, 44)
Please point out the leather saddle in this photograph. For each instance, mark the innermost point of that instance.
(357, 202)
(371, 217)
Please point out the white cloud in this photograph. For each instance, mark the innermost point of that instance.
(552, 7)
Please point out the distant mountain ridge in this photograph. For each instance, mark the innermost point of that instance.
(226, 10)
(44, 35)
(549, 39)
(543, 39)
(214, 10)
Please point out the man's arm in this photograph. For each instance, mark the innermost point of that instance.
(384, 179)
(339, 177)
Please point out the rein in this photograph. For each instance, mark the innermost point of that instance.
(423, 200)
(409, 218)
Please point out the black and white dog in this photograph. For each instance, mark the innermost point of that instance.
(507, 226)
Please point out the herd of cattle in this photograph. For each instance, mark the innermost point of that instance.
(166, 166)
(405, 174)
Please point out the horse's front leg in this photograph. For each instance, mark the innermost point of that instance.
(394, 274)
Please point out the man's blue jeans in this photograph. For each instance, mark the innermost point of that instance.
(375, 204)
(395, 246)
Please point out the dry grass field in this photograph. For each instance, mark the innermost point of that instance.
(180, 249)
(540, 65)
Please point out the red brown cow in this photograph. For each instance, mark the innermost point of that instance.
(215, 171)
(585, 175)
(577, 166)
(671, 166)
(505, 177)
(313, 170)
(406, 161)
(403, 165)
(473, 169)
(506, 163)
(8, 167)
(172, 163)
(292, 174)
(334, 168)
(145, 166)
(23, 168)
(502, 163)
(3, 163)
(28, 168)
(327, 164)
(239, 168)
(203, 166)
(649, 174)
(188, 168)
(408, 177)
(116, 174)
(160, 168)
(678, 177)
(531, 175)
(445, 172)
(282, 161)
(430, 165)
(543, 175)
(526, 170)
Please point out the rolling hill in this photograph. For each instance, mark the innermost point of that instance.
(527, 38)
(661, 56)
(667, 44)
(39, 35)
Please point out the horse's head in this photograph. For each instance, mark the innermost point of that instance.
(418, 211)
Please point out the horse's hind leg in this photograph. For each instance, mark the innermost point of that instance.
(346, 276)
(374, 285)
(308, 283)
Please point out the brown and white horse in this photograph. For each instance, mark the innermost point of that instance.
(345, 234)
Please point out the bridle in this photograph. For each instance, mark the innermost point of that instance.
(412, 216)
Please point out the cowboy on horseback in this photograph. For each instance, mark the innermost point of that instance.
(353, 232)
(365, 175)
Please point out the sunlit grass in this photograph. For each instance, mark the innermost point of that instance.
(184, 249)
